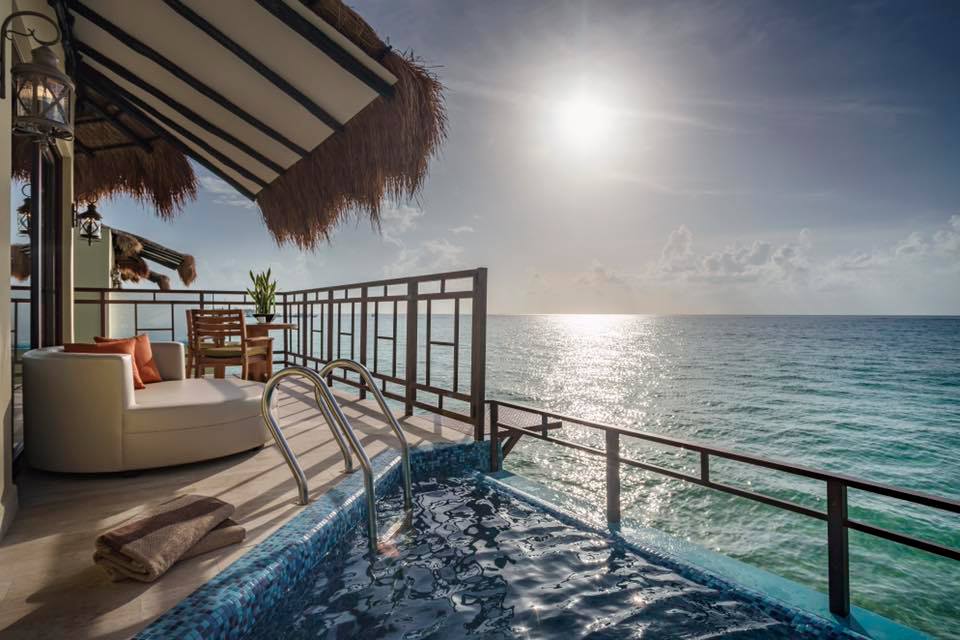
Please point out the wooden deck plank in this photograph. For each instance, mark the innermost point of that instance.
(49, 583)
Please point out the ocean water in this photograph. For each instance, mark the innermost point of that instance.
(873, 397)
(877, 398)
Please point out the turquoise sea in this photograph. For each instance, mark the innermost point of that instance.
(873, 397)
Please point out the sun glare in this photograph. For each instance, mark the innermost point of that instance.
(583, 121)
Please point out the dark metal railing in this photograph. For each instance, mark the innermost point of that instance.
(536, 423)
(361, 321)
(358, 321)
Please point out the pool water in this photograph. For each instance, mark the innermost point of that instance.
(480, 563)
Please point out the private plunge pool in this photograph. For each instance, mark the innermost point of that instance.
(481, 560)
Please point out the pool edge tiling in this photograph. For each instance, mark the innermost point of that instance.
(229, 605)
(801, 607)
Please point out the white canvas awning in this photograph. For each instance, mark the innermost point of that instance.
(245, 87)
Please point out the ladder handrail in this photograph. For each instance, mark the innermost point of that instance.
(266, 405)
(364, 373)
(342, 432)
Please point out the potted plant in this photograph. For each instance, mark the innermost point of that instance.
(264, 295)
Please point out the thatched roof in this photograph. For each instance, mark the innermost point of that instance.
(131, 254)
(380, 151)
(108, 162)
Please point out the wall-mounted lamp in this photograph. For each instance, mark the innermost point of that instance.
(89, 222)
(43, 95)
(24, 212)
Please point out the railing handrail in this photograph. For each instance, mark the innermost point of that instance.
(324, 323)
(448, 275)
(836, 515)
(909, 495)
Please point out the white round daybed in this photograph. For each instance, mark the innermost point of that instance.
(82, 414)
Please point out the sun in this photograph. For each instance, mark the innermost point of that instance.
(583, 121)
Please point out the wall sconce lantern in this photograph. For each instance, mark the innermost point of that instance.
(43, 95)
(24, 212)
(90, 223)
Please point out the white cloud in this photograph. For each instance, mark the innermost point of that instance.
(759, 261)
(223, 193)
(430, 255)
(397, 220)
(461, 229)
(599, 275)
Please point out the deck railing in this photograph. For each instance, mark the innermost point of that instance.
(510, 421)
(433, 359)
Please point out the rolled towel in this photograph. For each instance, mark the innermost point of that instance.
(145, 548)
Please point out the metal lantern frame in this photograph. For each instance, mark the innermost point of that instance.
(44, 97)
(25, 212)
(90, 223)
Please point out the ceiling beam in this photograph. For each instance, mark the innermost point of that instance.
(82, 148)
(180, 130)
(178, 72)
(118, 123)
(191, 115)
(278, 81)
(315, 36)
(122, 145)
(114, 93)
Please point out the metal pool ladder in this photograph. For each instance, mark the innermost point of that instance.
(344, 435)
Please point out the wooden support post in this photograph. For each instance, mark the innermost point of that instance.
(494, 438)
(838, 549)
(613, 477)
(330, 333)
(363, 336)
(413, 309)
(478, 352)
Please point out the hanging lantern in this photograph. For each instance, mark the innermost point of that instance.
(44, 95)
(24, 213)
(90, 224)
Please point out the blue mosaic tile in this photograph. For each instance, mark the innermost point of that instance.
(227, 607)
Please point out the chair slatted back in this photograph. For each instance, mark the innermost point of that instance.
(218, 325)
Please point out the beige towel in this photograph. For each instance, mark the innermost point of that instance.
(145, 548)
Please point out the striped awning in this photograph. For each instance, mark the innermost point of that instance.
(245, 87)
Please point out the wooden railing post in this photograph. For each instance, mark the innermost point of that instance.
(494, 438)
(413, 310)
(613, 476)
(363, 336)
(478, 351)
(304, 330)
(286, 331)
(838, 549)
(103, 313)
(330, 333)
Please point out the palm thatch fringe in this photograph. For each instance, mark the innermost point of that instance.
(187, 270)
(125, 245)
(162, 178)
(160, 280)
(382, 153)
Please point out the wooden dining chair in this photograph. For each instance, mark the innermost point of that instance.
(219, 339)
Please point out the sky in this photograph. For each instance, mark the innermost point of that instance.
(655, 157)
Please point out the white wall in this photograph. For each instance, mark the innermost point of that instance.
(92, 266)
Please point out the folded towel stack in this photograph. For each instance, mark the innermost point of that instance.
(184, 527)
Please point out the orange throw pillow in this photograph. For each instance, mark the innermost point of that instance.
(128, 347)
(143, 354)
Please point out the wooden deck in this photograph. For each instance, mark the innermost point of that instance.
(49, 586)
